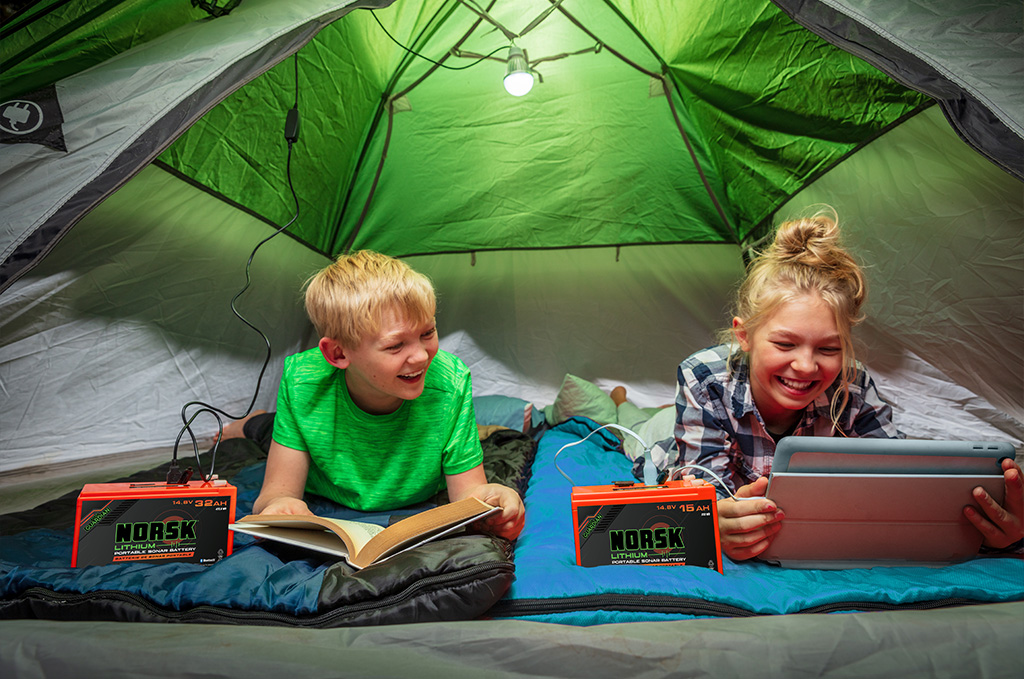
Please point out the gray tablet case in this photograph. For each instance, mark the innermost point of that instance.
(863, 502)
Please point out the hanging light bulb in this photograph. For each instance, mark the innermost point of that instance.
(518, 79)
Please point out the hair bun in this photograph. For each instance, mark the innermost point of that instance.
(815, 242)
(812, 241)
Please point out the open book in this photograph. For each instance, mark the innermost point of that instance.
(360, 543)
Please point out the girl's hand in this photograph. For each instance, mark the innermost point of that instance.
(1002, 525)
(746, 527)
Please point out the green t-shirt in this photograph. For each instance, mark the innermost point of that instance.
(377, 462)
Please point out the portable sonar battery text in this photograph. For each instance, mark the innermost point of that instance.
(668, 524)
(117, 522)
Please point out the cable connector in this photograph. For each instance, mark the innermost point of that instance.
(650, 470)
(173, 473)
(291, 126)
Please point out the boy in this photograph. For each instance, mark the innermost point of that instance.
(376, 417)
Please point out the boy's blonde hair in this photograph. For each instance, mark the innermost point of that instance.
(347, 300)
(807, 257)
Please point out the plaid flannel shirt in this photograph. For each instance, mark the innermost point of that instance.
(718, 426)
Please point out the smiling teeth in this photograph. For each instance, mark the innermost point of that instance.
(412, 375)
(800, 385)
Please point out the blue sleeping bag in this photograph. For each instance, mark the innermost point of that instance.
(550, 587)
(455, 578)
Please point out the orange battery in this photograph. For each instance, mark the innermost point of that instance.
(670, 524)
(153, 522)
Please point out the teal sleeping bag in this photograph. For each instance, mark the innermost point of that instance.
(550, 587)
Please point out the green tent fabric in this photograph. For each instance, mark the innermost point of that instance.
(610, 126)
(974, 81)
(595, 226)
(639, 120)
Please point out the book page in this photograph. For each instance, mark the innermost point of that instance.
(340, 537)
(359, 532)
(361, 543)
(423, 527)
(316, 538)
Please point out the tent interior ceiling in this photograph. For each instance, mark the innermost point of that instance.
(680, 129)
(592, 126)
(596, 121)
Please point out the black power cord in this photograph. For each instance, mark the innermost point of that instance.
(436, 63)
(174, 474)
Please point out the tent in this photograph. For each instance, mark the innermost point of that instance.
(595, 226)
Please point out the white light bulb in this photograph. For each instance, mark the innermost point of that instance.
(518, 79)
(519, 83)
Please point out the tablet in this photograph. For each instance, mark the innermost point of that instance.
(864, 502)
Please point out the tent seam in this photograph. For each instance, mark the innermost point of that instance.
(163, 112)
(927, 59)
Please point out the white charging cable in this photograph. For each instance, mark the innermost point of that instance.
(650, 470)
(672, 472)
(647, 454)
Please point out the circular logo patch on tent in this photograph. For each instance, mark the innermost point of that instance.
(20, 117)
(33, 118)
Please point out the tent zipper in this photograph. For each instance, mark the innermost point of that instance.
(217, 614)
(616, 602)
(638, 603)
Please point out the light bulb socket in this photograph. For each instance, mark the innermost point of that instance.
(516, 61)
(518, 79)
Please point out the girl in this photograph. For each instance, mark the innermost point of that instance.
(787, 368)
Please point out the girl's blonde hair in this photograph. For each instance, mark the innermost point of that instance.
(807, 257)
(347, 300)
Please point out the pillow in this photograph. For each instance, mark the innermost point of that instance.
(661, 426)
(579, 397)
(504, 411)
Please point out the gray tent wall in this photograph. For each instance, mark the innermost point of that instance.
(945, 256)
(120, 115)
(968, 56)
(954, 239)
(127, 318)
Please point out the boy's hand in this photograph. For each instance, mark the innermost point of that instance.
(473, 483)
(1001, 525)
(285, 505)
(509, 522)
(284, 482)
(747, 527)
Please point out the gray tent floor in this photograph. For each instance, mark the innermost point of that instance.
(975, 641)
